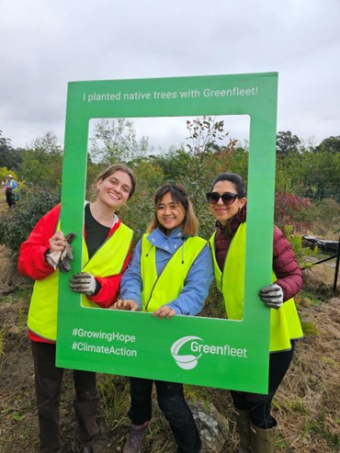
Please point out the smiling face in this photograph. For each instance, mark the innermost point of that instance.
(170, 213)
(221, 212)
(114, 190)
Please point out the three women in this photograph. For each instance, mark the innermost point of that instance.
(169, 275)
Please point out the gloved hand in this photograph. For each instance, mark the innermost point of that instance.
(60, 258)
(84, 283)
(52, 258)
(272, 295)
(67, 254)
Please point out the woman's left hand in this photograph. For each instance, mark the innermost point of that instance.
(126, 304)
(84, 283)
(272, 295)
(164, 312)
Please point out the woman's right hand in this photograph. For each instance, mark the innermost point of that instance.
(57, 242)
(127, 304)
(164, 312)
(60, 252)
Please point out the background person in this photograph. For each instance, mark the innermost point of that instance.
(106, 252)
(10, 189)
(170, 274)
(228, 201)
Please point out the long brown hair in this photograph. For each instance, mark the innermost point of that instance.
(178, 194)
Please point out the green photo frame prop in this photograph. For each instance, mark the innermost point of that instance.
(210, 352)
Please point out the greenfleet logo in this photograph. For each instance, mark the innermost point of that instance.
(185, 361)
(188, 350)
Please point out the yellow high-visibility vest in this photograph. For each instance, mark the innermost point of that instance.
(158, 291)
(284, 322)
(108, 260)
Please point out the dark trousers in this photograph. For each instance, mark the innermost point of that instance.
(258, 405)
(171, 401)
(48, 379)
(10, 198)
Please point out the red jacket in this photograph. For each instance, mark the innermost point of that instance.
(32, 261)
(285, 266)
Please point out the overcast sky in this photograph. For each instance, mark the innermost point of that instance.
(44, 44)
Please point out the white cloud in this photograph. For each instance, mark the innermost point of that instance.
(44, 45)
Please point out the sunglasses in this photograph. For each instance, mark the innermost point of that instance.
(228, 198)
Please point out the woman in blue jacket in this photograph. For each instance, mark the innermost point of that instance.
(170, 274)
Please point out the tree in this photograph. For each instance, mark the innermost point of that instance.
(286, 143)
(115, 140)
(17, 225)
(330, 144)
(203, 133)
(139, 210)
(322, 175)
(42, 162)
(173, 163)
(293, 210)
(4, 171)
(9, 157)
(48, 143)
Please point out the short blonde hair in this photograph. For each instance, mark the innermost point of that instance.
(178, 194)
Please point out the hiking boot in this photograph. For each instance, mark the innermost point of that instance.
(78, 448)
(135, 438)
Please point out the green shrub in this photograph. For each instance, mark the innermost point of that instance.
(19, 222)
(309, 329)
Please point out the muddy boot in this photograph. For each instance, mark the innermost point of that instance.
(135, 438)
(243, 428)
(77, 448)
(262, 440)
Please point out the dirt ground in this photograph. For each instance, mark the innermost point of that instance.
(307, 405)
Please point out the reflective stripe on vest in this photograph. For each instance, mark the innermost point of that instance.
(284, 322)
(158, 291)
(108, 260)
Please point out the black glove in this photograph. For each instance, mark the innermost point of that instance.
(84, 283)
(272, 295)
(67, 255)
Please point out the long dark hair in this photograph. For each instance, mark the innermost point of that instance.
(235, 179)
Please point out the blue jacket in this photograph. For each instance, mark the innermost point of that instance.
(192, 297)
(11, 184)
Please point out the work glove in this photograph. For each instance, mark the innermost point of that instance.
(84, 283)
(61, 260)
(272, 295)
(67, 255)
(53, 258)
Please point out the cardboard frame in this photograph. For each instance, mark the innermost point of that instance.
(193, 350)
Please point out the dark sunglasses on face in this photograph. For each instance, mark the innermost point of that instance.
(228, 198)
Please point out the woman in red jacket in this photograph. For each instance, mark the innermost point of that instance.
(46, 253)
(227, 200)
